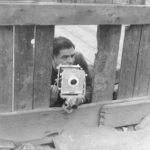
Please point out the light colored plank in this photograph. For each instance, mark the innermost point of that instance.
(6, 68)
(125, 113)
(42, 65)
(142, 77)
(129, 60)
(21, 14)
(36, 124)
(24, 65)
(106, 62)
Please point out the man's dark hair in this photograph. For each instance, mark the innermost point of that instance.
(61, 43)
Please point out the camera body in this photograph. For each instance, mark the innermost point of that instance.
(71, 81)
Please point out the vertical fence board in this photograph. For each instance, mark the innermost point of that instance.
(105, 63)
(6, 68)
(24, 54)
(43, 64)
(143, 65)
(129, 59)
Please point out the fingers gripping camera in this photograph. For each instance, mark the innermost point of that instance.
(71, 81)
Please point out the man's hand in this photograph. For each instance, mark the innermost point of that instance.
(72, 104)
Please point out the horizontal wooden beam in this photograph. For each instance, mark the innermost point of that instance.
(124, 114)
(38, 124)
(72, 14)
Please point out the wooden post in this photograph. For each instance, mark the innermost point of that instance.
(42, 65)
(105, 62)
(23, 71)
(135, 72)
(142, 77)
(129, 60)
(6, 68)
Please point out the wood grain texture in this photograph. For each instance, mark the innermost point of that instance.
(142, 77)
(121, 2)
(24, 55)
(137, 2)
(124, 114)
(42, 65)
(51, 14)
(36, 124)
(106, 62)
(6, 68)
(104, 1)
(87, 1)
(129, 61)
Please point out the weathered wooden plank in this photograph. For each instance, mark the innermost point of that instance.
(6, 68)
(123, 114)
(25, 1)
(39, 123)
(16, 1)
(23, 76)
(147, 2)
(104, 1)
(142, 77)
(129, 60)
(121, 1)
(6, 144)
(87, 1)
(21, 14)
(106, 62)
(42, 65)
(138, 2)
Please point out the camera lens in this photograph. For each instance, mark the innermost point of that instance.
(73, 82)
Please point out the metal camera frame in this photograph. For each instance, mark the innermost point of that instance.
(59, 76)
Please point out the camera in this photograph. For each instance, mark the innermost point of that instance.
(71, 81)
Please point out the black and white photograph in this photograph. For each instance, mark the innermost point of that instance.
(74, 74)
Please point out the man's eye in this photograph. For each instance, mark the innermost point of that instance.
(64, 57)
(72, 56)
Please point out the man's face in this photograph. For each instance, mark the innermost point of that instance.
(65, 57)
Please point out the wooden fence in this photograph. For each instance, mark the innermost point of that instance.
(25, 69)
